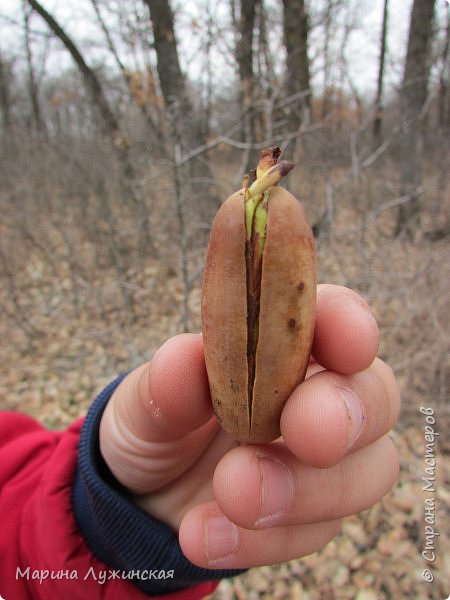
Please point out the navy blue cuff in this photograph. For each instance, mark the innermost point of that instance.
(118, 532)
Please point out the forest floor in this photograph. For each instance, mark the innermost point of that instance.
(64, 336)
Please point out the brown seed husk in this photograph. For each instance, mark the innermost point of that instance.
(224, 308)
(287, 312)
(286, 318)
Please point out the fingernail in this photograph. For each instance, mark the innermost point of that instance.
(221, 538)
(355, 413)
(277, 490)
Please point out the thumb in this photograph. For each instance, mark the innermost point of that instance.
(160, 419)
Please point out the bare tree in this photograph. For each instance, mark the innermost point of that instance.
(378, 121)
(444, 80)
(413, 98)
(328, 19)
(186, 129)
(210, 41)
(109, 125)
(171, 78)
(109, 121)
(5, 97)
(244, 58)
(298, 84)
(267, 84)
(37, 119)
(133, 81)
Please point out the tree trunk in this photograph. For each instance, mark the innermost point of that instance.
(444, 81)
(5, 100)
(244, 59)
(128, 77)
(110, 125)
(327, 91)
(265, 79)
(244, 26)
(186, 129)
(38, 121)
(298, 84)
(413, 98)
(378, 121)
(171, 78)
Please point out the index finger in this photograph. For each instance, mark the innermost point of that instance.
(346, 334)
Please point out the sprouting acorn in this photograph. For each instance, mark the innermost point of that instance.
(258, 303)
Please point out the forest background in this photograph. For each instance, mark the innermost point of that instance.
(125, 123)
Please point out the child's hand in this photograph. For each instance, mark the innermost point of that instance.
(242, 506)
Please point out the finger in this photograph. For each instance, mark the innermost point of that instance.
(159, 420)
(169, 396)
(210, 540)
(346, 333)
(265, 486)
(329, 414)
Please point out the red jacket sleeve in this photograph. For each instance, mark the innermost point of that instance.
(42, 553)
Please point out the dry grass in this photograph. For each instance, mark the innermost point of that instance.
(80, 303)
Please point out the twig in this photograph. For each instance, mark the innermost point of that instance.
(224, 139)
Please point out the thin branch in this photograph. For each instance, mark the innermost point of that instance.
(228, 141)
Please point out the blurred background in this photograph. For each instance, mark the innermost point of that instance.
(125, 123)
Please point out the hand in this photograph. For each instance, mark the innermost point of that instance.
(238, 506)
